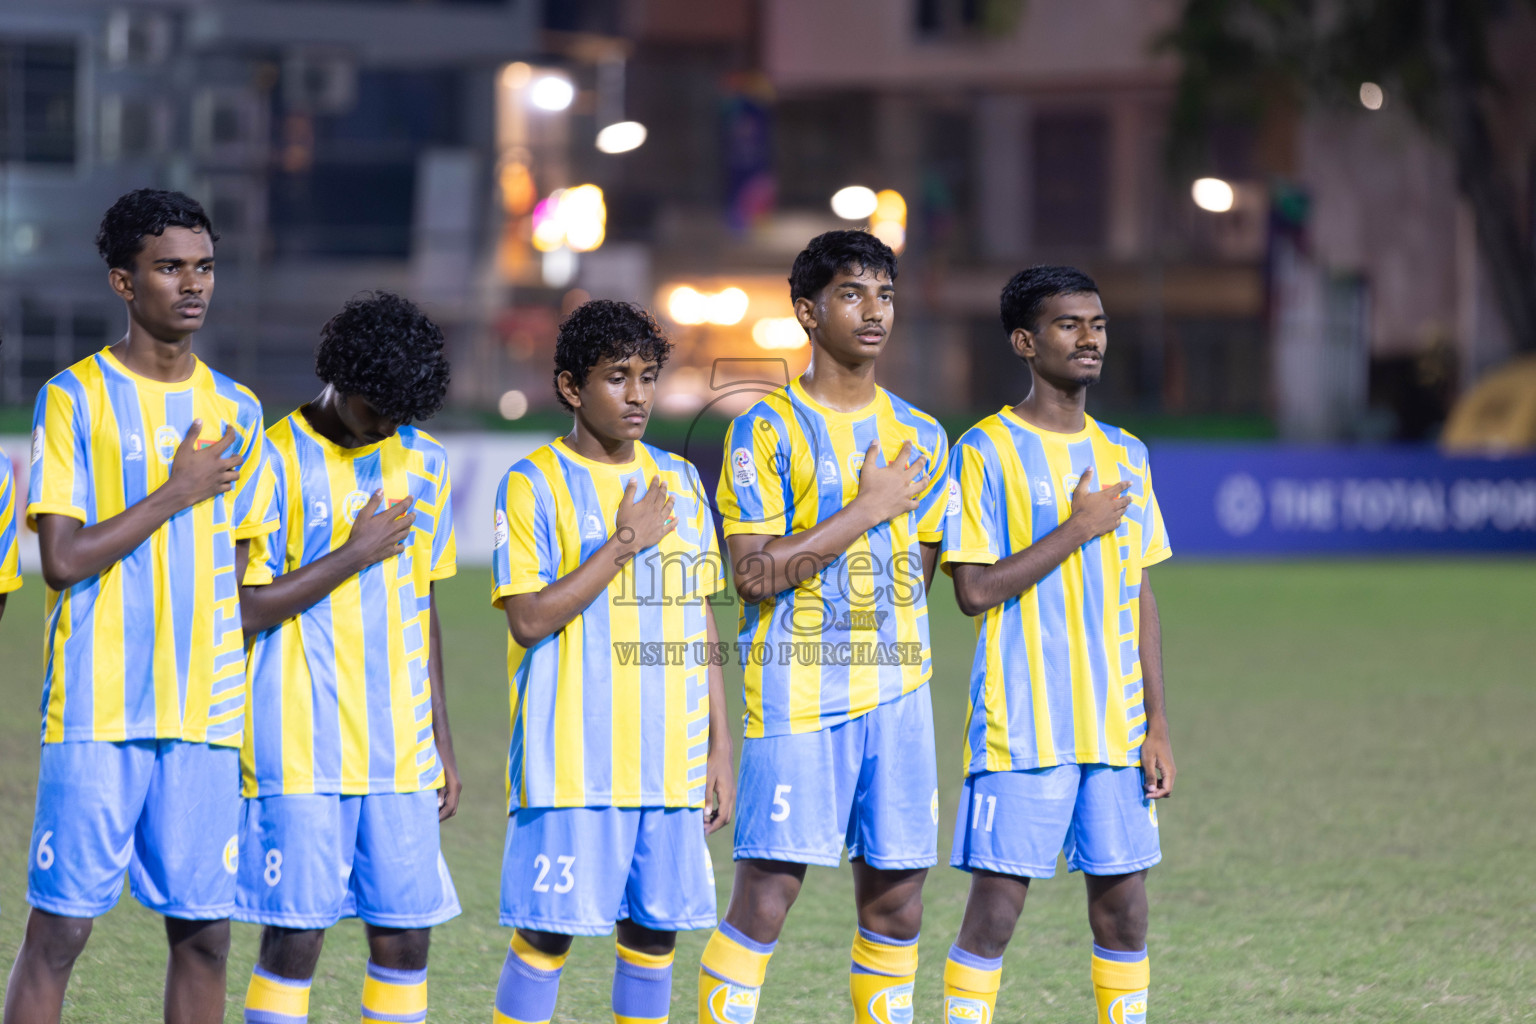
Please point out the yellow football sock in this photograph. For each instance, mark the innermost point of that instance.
(1120, 982)
(394, 996)
(880, 978)
(730, 976)
(271, 999)
(970, 987)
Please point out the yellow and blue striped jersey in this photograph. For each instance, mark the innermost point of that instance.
(1056, 677)
(339, 696)
(10, 565)
(150, 647)
(855, 635)
(613, 710)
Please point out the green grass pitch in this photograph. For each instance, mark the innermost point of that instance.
(1352, 837)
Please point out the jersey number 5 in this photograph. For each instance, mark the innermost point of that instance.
(780, 805)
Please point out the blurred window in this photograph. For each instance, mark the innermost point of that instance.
(37, 102)
(1071, 155)
(348, 183)
(959, 19)
(601, 17)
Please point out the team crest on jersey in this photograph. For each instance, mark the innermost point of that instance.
(966, 1011)
(1069, 482)
(591, 526)
(499, 530)
(232, 855)
(352, 504)
(855, 463)
(1043, 494)
(167, 440)
(1129, 1009)
(743, 468)
(892, 1005)
(732, 1004)
(954, 498)
(135, 451)
(37, 444)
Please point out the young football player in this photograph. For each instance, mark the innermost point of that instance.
(832, 494)
(620, 762)
(1051, 527)
(144, 483)
(348, 760)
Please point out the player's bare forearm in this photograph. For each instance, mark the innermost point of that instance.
(375, 536)
(1157, 765)
(930, 554)
(719, 773)
(442, 732)
(265, 605)
(763, 566)
(72, 552)
(532, 617)
(979, 588)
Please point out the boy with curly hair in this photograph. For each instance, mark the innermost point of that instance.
(348, 762)
(605, 554)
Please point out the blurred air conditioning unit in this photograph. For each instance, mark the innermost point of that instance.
(229, 126)
(319, 81)
(138, 37)
(133, 127)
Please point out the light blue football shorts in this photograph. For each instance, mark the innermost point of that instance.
(579, 870)
(870, 784)
(310, 859)
(164, 812)
(1096, 815)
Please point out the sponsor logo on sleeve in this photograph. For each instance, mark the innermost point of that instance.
(743, 468)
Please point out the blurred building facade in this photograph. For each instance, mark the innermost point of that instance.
(338, 146)
(350, 144)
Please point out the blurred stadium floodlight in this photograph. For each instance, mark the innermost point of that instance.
(1213, 194)
(687, 305)
(779, 332)
(513, 405)
(621, 137)
(1372, 96)
(854, 202)
(889, 222)
(572, 218)
(551, 92)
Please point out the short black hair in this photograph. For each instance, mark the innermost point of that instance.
(1026, 292)
(383, 348)
(832, 252)
(146, 211)
(603, 330)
